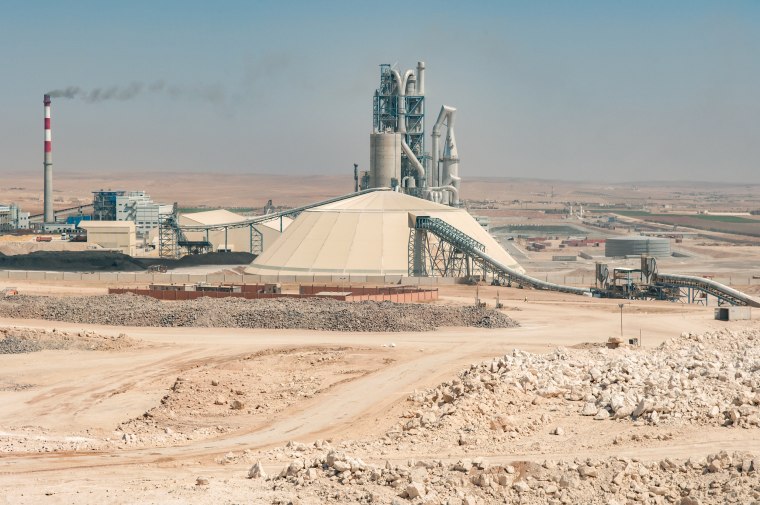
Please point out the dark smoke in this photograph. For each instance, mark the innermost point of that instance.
(210, 94)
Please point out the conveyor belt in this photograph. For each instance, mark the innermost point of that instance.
(475, 249)
(708, 286)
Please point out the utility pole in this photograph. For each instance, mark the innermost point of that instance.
(621, 305)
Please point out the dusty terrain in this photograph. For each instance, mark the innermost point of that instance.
(456, 415)
(141, 402)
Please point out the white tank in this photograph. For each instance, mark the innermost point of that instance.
(384, 159)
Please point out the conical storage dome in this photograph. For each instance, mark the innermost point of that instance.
(364, 235)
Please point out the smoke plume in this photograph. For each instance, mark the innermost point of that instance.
(210, 94)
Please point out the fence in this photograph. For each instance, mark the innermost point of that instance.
(251, 292)
(131, 278)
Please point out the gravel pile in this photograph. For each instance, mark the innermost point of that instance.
(24, 340)
(71, 261)
(312, 313)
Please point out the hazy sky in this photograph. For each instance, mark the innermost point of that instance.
(573, 90)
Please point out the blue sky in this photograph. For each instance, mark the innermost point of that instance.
(616, 91)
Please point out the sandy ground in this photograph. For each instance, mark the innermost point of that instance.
(294, 385)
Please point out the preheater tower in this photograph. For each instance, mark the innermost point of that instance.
(48, 165)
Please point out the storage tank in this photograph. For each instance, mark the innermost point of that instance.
(384, 159)
(636, 246)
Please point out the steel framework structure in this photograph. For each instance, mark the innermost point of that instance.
(461, 255)
(385, 117)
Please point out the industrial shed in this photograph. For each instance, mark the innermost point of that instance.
(235, 239)
(364, 235)
(117, 235)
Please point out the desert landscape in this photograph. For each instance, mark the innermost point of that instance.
(538, 411)
(307, 253)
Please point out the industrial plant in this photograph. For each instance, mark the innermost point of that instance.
(405, 219)
(398, 159)
(324, 350)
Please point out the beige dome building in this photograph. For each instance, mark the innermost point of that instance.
(364, 235)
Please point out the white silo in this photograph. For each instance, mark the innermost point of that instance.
(384, 160)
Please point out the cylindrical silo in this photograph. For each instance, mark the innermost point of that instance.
(636, 246)
(384, 159)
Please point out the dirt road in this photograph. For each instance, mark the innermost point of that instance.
(90, 393)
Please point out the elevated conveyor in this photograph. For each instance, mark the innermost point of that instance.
(457, 254)
(457, 251)
(722, 292)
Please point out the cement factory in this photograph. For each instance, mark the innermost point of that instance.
(405, 219)
(283, 260)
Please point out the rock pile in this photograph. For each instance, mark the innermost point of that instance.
(718, 478)
(312, 314)
(709, 379)
(25, 340)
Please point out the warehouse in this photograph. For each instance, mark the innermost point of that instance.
(364, 235)
(235, 239)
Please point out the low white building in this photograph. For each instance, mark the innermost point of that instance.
(137, 206)
(11, 218)
(116, 235)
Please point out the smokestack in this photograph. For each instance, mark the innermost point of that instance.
(48, 164)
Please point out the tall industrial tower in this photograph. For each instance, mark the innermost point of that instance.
(49, 216)
(399, 107)
(397, 143)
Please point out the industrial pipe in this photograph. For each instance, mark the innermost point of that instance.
(48, 215)
(421, 78)
(446, 112)
(413, 159)
(451, 189)
(405, 181)
(401, 92)
(451, 160)
(411, 85)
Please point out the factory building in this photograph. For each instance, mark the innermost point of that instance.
(134, 206)
(11, 218)
(367, 234)
(637, 246)
(116, 235)
(234, 239)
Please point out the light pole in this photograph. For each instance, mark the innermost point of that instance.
(621, 318)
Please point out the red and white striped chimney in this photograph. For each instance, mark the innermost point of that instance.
(48, 164)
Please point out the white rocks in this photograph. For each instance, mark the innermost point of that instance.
(257, 471)
(521, 486)
(587, 472)
(601, 415)
(415, 490)
(644, 406)
(559, 431)
(589, 409)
